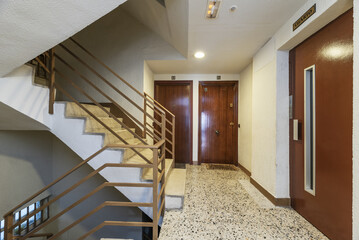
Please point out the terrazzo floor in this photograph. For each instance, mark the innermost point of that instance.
(222, 204)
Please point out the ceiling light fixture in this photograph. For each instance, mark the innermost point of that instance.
(212, 8)
(199, 55)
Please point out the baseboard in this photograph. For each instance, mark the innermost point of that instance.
(246, 171)
(283, 202)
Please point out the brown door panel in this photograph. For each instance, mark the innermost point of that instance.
(330, 210)
(218, 122)
(176, 96)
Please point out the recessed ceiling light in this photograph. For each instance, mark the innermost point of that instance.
(199, 54)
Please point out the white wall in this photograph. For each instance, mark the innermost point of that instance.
(245, 118)
(148, 80)
(270, 142)
(264, 118)
(18, 92)
(196, 78)
(356, 125)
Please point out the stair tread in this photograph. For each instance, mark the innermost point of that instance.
(176, 182)
(131, 141)
(136, 159)
(73, 110)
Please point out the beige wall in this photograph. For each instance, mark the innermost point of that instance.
(245, 119)
(264, 118)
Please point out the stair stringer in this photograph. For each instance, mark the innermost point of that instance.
(72, 133)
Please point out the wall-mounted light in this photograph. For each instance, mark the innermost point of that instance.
(199, 54)
(212, 8)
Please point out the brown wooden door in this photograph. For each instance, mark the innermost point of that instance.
(218, 122)
(329, 207)
(176, 96)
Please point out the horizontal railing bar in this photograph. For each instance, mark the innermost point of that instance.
(99, 90)
(161, 192)
(169, 131)
(106, 81)
(162, 172)
(161, 158)
(56, 181)
(42, 64)
(106, 165)
(98, 208)
(116, 223)
(103, 124)
(143, 95)
(161, 208)
(101, 107)
(100, 76)
(156, 146)
(159, 104)
(48, 221)
(169, 151)
(131, 165)
(105, 66)
(47, 235)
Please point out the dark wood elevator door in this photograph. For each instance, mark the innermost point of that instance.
(330, 51)
(176, 96)
(218, 122)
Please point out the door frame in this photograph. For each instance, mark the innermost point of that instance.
(219, 83)
(174, 83)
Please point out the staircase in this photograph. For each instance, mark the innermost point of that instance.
(138, 162)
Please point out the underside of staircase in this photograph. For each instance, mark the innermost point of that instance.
(137, 165)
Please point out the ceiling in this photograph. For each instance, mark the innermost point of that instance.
(231, 40)
(29, 28)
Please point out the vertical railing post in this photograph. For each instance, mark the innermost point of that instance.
(155, 195)
(9, 220)
(52, 81)
(163, 127)
(144, 115)
(173, 137)
(163, 179)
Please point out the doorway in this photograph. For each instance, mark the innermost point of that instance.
(176, 96)
(217, 122)
(321, 87)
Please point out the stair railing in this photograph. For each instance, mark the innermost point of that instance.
(162, 132)
(154, 130)
(157, 204)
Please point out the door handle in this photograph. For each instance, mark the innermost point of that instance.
(217, 132)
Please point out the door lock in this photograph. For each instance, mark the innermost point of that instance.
(217, 132)
(231, 124)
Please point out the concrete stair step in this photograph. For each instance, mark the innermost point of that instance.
(112, 139)
(175, 189)
(92, 125)
(73, 110)
(129, 153)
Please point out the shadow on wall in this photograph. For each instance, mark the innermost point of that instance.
(38, 158)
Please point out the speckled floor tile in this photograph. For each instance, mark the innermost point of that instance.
(222, 205)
